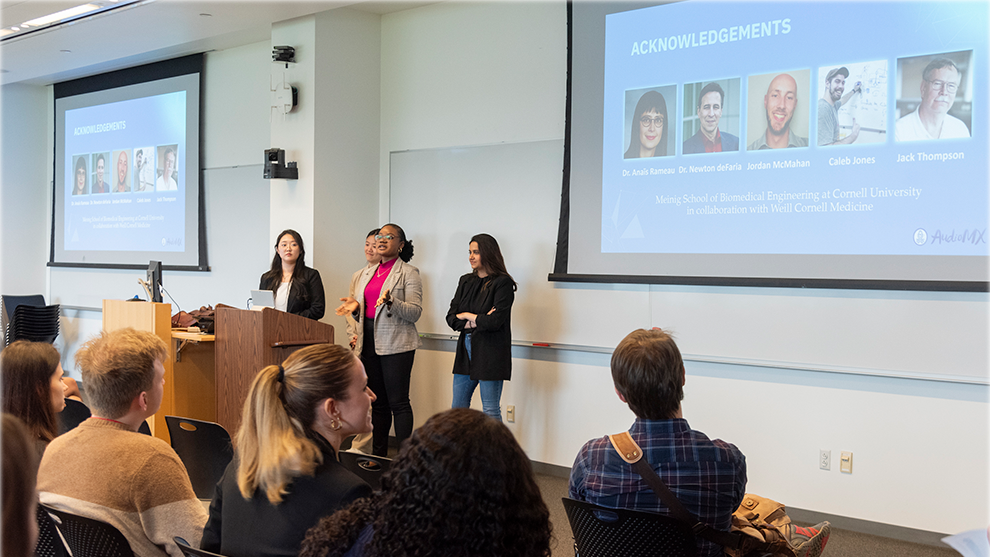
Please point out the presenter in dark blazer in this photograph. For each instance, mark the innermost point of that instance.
(298, 288)
(481, 311)
(388, 302)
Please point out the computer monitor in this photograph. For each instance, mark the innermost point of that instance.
(155, 279)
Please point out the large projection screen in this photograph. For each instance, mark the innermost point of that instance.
(127, 170)
(709, 144)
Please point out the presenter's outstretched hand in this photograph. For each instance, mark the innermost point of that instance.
(349, 306)
(384, 298)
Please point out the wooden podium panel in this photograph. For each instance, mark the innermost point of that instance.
(247, 341)
(154, 318)
(194, 368)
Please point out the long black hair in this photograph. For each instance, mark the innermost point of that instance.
(407, 249)
(491, 256)
(460, 486)
(273, 277)
(651, 100)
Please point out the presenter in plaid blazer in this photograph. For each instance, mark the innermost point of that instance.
(388, 302)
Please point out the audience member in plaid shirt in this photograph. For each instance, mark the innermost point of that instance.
(708, 477)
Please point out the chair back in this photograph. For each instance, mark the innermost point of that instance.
(603, 532)
(204, 448)
(72, 415)
(49, 543)
(87, 537)
(36, 323)
(189, 551)
(367, 467)
(8, 304)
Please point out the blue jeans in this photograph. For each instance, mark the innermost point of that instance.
(491, 391)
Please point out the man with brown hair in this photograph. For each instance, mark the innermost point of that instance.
(105, 469)
(708, 477)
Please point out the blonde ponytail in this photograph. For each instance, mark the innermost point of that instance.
(273, 443)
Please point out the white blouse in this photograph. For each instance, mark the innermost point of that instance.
(282, 296)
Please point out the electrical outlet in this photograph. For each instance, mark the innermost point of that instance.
(846, 462)
(510, 413)
(825, 459)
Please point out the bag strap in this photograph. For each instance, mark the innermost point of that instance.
(630, 452)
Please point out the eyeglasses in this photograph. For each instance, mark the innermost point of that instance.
(938, 85)
(646, 120)
(381, 237)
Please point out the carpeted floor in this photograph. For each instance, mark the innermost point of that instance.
(842, 543)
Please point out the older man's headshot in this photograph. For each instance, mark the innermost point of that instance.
(934, 101)
(777, 113)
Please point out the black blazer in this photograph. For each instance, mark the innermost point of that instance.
(491, 341)
(306, 296)
(255, 528)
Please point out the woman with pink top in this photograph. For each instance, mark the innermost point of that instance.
(388, 302)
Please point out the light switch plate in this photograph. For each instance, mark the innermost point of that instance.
(846, 462)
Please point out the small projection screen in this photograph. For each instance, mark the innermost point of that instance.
(127, 169)
(808, 144)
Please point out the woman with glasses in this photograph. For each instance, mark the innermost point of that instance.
(298, 289)
(387, 304)
(79, 185)
(481, 310)
(648, 135)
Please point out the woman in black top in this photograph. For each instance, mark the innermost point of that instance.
(481, 310)
(298, 288)
(285, 475)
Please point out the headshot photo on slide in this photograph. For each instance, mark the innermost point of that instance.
(121, 171)
(777, 113)
(144, 169)
(168, 164)
(852, 103)
(100, 168)
(934, 101)
(711, 116)
(648, 124)
(79, 178)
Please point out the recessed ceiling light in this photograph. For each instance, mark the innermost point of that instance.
(15, 28)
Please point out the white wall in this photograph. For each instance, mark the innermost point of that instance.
(25, 188)
(475, 74)
(347, 141)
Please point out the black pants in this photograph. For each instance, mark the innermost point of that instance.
(388, 377)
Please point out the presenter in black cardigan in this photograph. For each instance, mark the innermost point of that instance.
(298, 288)
(481, 311)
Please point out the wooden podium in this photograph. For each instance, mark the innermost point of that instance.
(246, 342)
(154, 318)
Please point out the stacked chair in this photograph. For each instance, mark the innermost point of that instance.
(28, 318)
